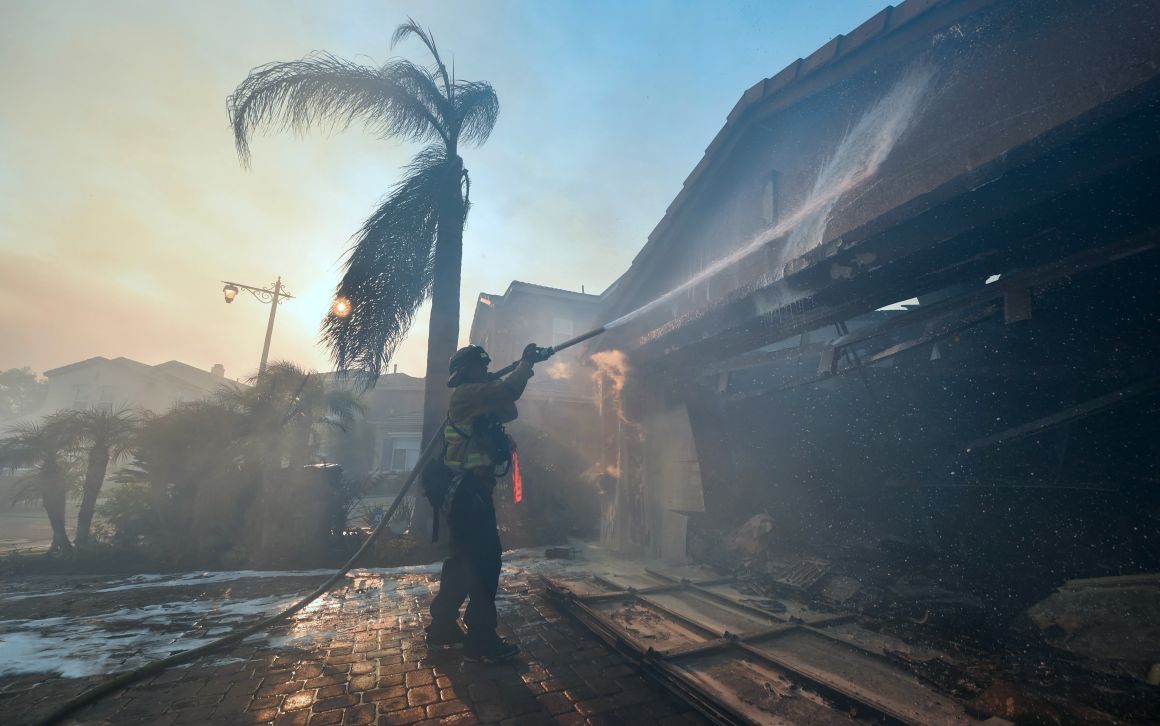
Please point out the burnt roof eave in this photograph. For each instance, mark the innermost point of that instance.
(1044, 152)
(795, 83)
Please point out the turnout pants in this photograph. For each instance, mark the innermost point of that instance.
(472, 570)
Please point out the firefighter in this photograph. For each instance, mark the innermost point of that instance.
(479, 406)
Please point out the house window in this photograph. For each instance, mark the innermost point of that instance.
(562, 330)
(404, 454)
(385, 454)
(770, 204)
(105, 402)
(81, 397)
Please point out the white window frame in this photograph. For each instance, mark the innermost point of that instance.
(562, 329)
(81, 399)
(105, 399)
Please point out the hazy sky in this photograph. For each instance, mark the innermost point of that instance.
(122, 203)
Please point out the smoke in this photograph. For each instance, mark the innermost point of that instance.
(855, 160)
(559, 370)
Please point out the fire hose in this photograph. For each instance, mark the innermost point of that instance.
(117, 683)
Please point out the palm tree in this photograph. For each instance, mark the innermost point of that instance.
(43, 448)
(411, 247)
(178, 455)
(285, 410)
(106, 436)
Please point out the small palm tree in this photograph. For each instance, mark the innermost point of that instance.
(285, 410)
(42, 449)
(179, 454)
(104, 436)
(412, 246)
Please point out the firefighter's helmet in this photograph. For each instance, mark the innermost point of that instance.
(464, 359)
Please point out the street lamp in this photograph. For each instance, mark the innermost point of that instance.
(265, 295)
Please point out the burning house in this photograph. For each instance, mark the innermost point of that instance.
(891, 347)
(993, 167)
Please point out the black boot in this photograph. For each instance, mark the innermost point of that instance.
(489, 649)
(445, 636)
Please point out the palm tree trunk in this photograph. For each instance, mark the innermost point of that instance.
(53, 497)
(443, 331)
(94, 480)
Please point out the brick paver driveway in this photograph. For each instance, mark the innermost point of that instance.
(357, 657)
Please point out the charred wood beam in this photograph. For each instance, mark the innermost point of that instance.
(680, 617)
(668, 586)
(824, 683)
(622, 594)
(677, 668)
(757, 359)
(982, 216)
(694, 649)
(1067, 415)
(1016, 304)
(1017, 284)
(1021, 284)
(934, 335)
(828, 367)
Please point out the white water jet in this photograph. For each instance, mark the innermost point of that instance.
(856, 159)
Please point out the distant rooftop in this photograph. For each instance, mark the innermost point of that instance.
(175, 371)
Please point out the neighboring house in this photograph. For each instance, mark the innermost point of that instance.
(503, 324)
(111, 383)
(527, 313)
(394, 414)
(558, 429)
(398, 442)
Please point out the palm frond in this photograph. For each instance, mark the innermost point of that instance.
(419, 87)
(476, 109)
(343, 408)
(329, 92)
(389, 269)
(115, 430)
(412, 28)
(30, 443)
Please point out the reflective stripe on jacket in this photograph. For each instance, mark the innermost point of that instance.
(471, 400)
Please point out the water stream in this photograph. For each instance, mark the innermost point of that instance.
(855, 161)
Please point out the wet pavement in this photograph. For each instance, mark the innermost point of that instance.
(355, 656)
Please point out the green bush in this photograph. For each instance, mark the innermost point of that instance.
(128, 517)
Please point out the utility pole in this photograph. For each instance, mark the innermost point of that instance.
(266, 295)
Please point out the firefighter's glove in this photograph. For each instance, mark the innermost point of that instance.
(535, 354)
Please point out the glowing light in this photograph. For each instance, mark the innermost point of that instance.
(486, 301)
(341, 307)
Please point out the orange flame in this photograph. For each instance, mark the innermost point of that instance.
(517, 479)
(559, 370)
(611, 370)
